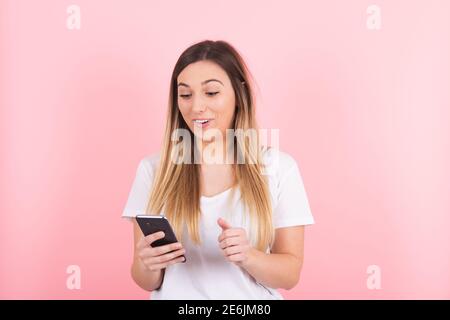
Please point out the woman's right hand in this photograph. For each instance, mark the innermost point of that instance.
(158, 258)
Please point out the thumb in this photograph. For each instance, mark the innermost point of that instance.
(223, 223)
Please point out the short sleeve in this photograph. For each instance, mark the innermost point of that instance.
(140, 191)
(293, 207)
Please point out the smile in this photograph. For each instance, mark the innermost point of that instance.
(202, 123)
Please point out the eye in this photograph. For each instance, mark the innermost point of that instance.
(185, 96)
(212, 93)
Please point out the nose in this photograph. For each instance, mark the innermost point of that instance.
(199, 104)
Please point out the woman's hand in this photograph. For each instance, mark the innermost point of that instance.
(234, 243)
(157, 258)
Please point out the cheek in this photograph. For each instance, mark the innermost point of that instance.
(184, 108)
(224, 109)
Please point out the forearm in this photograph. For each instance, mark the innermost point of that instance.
(273, 270)
(144, 278)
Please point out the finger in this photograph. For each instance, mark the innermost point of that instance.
(165, 265)
(231, 241)
(142, 243)
(147, 252)
(230, 233)
(154, 236)
(159, 266)
(152, 259)
(223, 224)
(236, 257)
(233, 250)
(148, 240)
(167, 248)
(168, 256)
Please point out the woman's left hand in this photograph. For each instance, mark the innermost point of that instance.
(234, 243)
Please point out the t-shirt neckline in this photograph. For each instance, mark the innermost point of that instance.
(216, 196)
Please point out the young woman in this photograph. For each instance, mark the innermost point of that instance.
(240, 223)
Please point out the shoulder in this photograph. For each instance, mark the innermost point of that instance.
(149, 163)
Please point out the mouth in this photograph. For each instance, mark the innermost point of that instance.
(202, 123)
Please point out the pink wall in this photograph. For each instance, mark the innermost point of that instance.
(364, 112)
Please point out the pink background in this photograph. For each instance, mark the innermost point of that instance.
(365, 113)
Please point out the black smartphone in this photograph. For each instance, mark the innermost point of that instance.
(151, 224)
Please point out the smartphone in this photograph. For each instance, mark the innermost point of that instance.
(151, 224)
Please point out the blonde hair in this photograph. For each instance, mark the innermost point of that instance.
(176, 187)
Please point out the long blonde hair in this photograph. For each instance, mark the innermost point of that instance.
(176, 187)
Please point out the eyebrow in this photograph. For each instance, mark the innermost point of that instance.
(203, 83)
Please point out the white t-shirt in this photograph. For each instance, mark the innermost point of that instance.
(207, 274)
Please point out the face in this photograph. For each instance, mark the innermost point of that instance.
(206, 98)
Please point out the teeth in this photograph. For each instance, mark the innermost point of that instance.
(200, 121)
